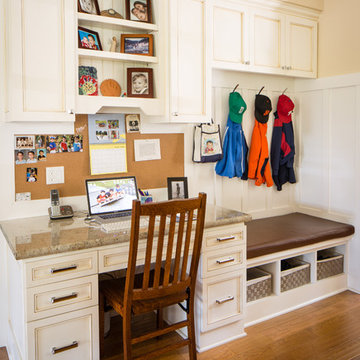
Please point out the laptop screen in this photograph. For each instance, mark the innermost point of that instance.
(111, 195)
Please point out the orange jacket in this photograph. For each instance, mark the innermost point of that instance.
(259, 167)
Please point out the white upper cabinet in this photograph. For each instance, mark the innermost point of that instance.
(301, 46)
(189, 78)
(40, 64)
(262, 39)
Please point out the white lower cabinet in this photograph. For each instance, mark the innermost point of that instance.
(68, 336)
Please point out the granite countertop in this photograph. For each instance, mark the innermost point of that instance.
(39, 236)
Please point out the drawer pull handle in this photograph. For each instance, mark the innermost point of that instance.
(55, 350)
(225, 261)
(224, 300)
(70, 267)
(63, 298)
(232, 237)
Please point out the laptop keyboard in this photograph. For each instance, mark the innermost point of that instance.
(122, 225)
(115, 215)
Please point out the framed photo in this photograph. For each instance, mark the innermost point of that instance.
(138, 10)
(177, 188)
(140, 82)
(89, 7)
(132, 123)
(88, 39)
(140, 44)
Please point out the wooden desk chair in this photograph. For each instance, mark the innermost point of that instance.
(168, 282)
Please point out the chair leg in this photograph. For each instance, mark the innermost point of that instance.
(101, 322)
(191, 333)
(127, 335)
(159, 318)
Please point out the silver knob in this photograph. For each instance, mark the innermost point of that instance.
(175, 114)
(70, 111)
(247, 62)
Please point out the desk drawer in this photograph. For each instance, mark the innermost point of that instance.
(223, 301)
(59, 268)
(223, 260)
(224, 236)
(70, 336)
(65, 296)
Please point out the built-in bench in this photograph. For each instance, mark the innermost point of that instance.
(278, 233)
(275, 242)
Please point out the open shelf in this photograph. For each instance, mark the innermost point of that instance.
(111, 23)
(93, 104)
(108, 55)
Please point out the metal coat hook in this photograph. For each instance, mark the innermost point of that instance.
(284, 91)
(261, 90)
(235, 87)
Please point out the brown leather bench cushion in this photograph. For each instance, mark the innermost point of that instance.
(278, 233)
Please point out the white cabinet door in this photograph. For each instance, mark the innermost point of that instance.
(41, 60)
(267, 38)
(188, 71)
(230, 36)
(301, 46)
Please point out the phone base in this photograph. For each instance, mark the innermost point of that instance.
(65, 212)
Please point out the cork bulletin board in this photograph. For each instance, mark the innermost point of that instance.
(149, 174)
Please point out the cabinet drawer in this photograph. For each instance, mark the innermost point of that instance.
(223, 301)
(224, 236)
(223, 260)
(59, 268)
(65, 296)
(70, 336)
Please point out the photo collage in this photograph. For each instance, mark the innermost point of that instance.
(107, 130)
(31, 149)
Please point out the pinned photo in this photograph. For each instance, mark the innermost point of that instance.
(114, 134)
(24, 142)
(31, 175)
(77, 143)
(132, 122)
(102, 135)
(31, 158)
(113, 124)
(40, 141)
(64, 142)
(100, 124)
(25, 157)
(41, 154)
(51, 144)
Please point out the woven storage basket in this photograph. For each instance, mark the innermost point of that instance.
(297, 275)
(329, 263)
(258, 284)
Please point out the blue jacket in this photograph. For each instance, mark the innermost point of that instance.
(235, 150)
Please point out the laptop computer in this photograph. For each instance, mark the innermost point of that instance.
(110, 199)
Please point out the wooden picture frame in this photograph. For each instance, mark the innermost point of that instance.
(138, 44)
(140, 82)
(89, 7)
(177, 188)
(90, 44)
(139, 10)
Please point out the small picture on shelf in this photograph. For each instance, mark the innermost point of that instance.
(140, 44)
(177, 188)
(88, 39)
(140, 82)
(138, 10)
(88, 84)
(89, 7)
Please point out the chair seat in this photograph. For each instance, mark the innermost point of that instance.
(114, 291)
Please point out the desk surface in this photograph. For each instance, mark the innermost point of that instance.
(38, 236)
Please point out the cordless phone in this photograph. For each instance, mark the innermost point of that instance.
(56, 211)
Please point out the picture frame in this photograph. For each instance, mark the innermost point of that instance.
(132, 123)
(140, 82)
(139, 44)
(89, 7)
(177, 188)
(88, 39)
(139, 10)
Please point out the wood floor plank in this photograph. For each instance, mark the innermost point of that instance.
(326, 330)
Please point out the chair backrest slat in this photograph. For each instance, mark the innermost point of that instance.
(147, 263)
(187, 244)
(169, 250)
(170, 242)
(178, 247)
(159, 251)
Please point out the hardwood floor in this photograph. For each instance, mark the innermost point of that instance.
(326, 330)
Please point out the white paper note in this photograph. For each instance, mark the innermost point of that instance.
(148, 149)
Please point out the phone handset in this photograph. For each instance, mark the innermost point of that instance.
(55, 203)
